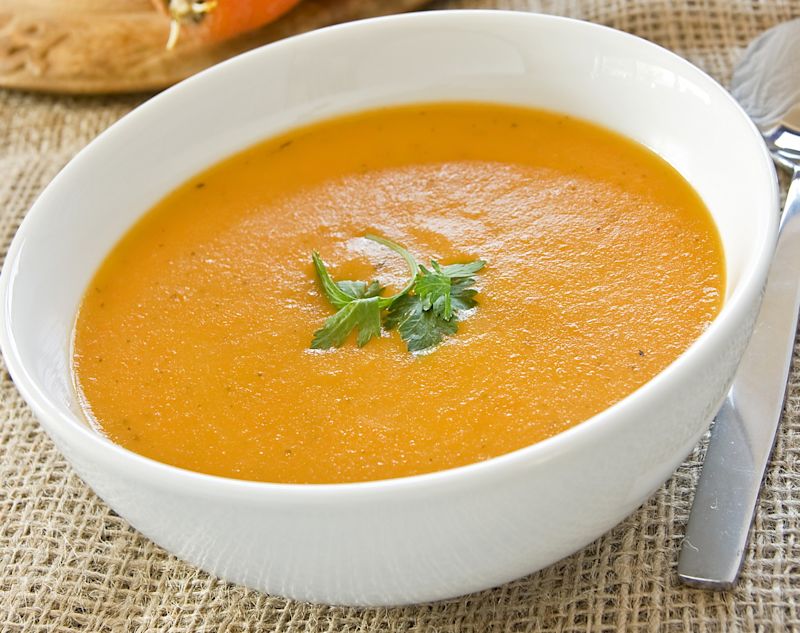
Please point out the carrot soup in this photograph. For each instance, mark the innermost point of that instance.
(207, 338)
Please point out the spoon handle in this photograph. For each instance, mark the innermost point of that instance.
(746, 426)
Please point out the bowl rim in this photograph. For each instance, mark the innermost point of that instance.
(493, 469)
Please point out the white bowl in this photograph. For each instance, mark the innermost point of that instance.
(442, 534)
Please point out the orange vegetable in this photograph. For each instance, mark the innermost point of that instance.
(217, 20)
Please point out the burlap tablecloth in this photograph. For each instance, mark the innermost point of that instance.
(67, 562)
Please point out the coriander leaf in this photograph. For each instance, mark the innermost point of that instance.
(399, 310)
(340, 293)
(336, 295)
(359, 304)
(436, 287)
(360, 289)
(418, 327)
(434, 290)
(425, 311)
(361, 314)
(463, 294)
(455, 271)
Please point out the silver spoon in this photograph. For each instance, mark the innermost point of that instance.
(767, 84)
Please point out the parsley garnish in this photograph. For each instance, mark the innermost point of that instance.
(425, 317)
(425, 311)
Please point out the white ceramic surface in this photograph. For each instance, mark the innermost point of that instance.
(448, 533)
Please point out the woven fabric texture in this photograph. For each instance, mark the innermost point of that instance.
(69, 563)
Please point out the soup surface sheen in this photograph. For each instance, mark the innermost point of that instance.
(192, 341)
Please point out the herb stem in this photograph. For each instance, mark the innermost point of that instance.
(385, 302)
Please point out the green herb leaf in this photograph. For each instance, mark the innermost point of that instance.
(424, 312)
(360, 289)
(363, 315)
(457, 271)
(462, 294)
(434, 289)
(440, 286)
(359, 304)
(336, 295)
(418, 327)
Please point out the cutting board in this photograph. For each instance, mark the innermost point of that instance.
(114, 46)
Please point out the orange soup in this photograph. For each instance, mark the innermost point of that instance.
(192, 343)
